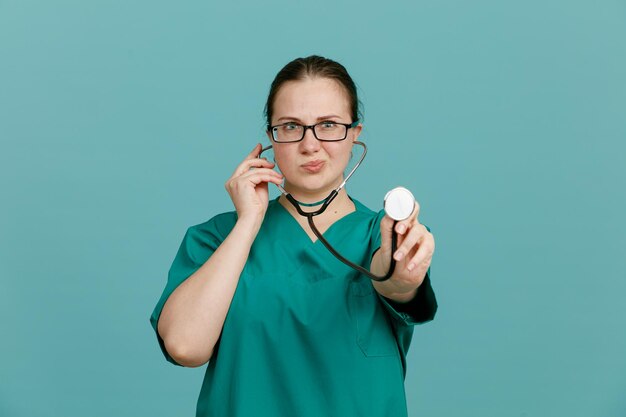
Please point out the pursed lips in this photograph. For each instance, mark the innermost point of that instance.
(313, 164)
(313, 167)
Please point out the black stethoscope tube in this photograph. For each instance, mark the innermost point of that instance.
(327, 201)
(359, 268)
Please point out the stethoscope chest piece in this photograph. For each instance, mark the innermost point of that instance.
(399, 203)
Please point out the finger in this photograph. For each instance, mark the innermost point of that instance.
(252, 163)
(237, 180)
(236, 185)
(413, 237)
(386, 226)
(254, 154)
(266, 175)
(255, 151)
(264, 171)
(259, 178)
(422, 258)
(404, 225)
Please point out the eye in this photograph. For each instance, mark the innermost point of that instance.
(290, 126)
(328, 125)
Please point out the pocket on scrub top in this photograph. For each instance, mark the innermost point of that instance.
(374, 333)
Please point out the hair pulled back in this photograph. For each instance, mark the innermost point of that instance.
(310, 67)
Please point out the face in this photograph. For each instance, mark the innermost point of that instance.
(312, 167)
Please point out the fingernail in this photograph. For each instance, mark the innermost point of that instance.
(411, 266)
(401, 228)
(398, 256)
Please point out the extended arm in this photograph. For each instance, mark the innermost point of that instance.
(416, 246)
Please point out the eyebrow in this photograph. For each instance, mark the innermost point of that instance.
(330, 116)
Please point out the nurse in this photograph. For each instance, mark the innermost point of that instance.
(286, 328)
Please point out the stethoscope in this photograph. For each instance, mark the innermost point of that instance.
(398, 203)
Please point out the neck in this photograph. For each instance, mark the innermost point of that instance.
(340, 203)
(310, 196)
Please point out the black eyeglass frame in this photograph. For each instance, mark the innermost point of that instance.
(312, 127)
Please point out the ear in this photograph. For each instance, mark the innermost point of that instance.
(269, 135)
(356, 132)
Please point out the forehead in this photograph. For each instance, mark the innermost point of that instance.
(310, 98)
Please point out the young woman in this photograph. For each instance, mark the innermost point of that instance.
(286, 328)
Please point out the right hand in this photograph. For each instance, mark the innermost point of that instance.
(247, 187)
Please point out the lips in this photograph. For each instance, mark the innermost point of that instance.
(313, 166)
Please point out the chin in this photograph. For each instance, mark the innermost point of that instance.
(317, 186)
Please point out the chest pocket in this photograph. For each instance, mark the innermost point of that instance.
(374, 333)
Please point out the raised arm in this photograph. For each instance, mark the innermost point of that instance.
(193, 316)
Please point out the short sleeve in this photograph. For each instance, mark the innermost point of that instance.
(422, 307)
(198, 244)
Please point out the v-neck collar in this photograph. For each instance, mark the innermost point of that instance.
(285, 212)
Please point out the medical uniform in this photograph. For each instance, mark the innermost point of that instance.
(305, 335)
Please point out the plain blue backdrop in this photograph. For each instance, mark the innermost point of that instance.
(120, 121)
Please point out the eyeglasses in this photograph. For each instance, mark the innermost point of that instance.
(326, 131)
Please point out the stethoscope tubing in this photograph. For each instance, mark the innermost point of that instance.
(327, 201)
(359, 268)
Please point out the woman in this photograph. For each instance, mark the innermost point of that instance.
(287, 329)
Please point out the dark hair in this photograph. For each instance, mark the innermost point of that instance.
(313, 66)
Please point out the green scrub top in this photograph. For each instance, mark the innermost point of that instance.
(305, 335)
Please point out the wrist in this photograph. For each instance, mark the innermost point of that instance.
(384, 289)
(404, 297)
(249, 225)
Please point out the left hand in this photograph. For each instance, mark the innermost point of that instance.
(414, 252)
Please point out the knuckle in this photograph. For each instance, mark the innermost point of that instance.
(416, 233)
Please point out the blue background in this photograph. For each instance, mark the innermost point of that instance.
(120, 121)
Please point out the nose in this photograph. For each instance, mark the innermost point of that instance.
(309, 142)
